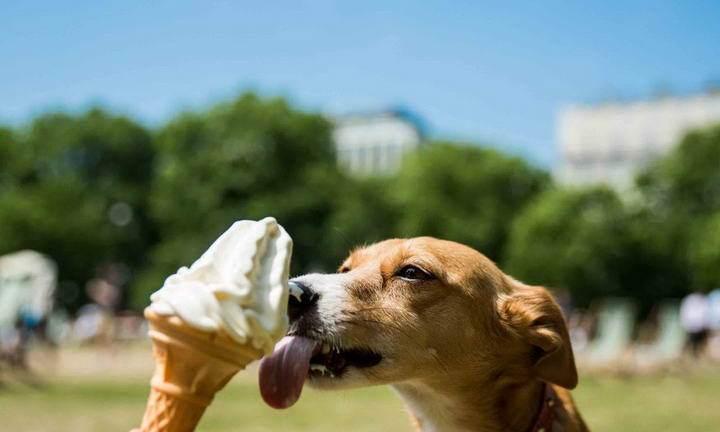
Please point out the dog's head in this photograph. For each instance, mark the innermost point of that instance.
(404, 309)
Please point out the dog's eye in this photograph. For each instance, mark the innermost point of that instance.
(413, 273)
(344, 269)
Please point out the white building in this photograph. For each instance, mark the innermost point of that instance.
(609, 143)
(374, 144)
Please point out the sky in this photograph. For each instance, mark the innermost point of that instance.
(494, 73)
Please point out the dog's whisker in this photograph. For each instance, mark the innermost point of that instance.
(377, 308)
(439, 361)
(360, 321)
(355, 321)
(345, 238)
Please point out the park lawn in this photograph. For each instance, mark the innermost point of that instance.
(673, 403)
(86, 405)
(687, 402)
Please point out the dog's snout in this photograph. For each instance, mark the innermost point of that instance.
(301, 298)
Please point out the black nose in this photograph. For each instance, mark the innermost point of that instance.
(300, 300)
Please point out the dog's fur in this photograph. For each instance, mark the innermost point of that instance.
(469, 349)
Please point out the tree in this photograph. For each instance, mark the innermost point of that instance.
(77, 193)
(679, 194)
(245, 159)
(685, 183)
(8, 162)
(363, 214)
(464, 193)
(704, 254)
(572, 239)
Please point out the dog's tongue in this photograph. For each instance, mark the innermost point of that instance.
(283, 373)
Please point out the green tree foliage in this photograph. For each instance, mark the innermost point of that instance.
(67, 174)
(571, 239)
(8, 157)
(678, 194)
(464, 193)
(94, 188)
(662, 244)
(363, 214)
(241, 160)
(16, 162)
(685, 183)
(704, 252)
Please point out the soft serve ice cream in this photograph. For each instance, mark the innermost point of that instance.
(239, 285)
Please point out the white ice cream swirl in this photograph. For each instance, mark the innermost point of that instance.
(239, 285)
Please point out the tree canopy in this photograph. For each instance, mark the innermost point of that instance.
(571, 239)
(70, 177)
(464, 193)
(245, 159)
(94, 188)
(679, 197)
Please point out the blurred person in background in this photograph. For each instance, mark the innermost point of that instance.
(694, 317)
(713, 347)
(580, 327)
(95, 321)
(27, 287)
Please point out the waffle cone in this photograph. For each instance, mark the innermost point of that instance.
(190, 367)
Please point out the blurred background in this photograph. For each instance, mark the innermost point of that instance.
(578, 146)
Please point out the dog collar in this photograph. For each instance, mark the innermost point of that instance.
(544, 420)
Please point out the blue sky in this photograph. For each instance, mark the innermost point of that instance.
(492, 72)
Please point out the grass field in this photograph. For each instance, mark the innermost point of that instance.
(85, 402)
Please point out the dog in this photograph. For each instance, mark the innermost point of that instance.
(466, 347)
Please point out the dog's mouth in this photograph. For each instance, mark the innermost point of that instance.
(332, 362)
(283, 373)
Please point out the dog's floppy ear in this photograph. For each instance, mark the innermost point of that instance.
(532, 314)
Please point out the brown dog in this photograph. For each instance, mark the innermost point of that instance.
(467, 347)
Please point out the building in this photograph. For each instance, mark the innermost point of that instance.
(609, 143)
(375, 143)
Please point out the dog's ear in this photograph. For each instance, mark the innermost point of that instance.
(533, 314)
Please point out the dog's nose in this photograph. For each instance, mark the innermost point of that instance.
(300, 300)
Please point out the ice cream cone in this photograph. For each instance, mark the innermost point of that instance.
(190, 367)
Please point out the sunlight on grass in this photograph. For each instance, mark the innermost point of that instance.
(86, 405)
(640, 404)
(665, 403)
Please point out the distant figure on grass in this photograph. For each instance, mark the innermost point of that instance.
(27, 284)
(713, 348)
(96, 320)
(694, 317)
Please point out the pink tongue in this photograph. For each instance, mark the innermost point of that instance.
(283, 373)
